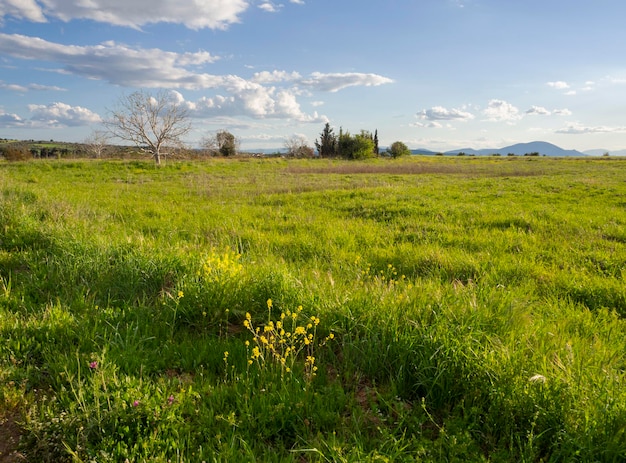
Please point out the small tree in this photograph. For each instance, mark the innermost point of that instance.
(398, 149)
(151, 122)
(97, 142)
(222, 143)
(376, 148)
(298, 147)
(327, 144)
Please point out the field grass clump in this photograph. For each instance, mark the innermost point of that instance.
(422, 309)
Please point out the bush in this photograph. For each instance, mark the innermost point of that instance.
(15, 153)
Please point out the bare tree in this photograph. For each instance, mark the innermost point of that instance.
(97, 142)
(298, 147)
(221, 143)
(151, 122)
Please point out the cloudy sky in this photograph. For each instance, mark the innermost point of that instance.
(437, 74)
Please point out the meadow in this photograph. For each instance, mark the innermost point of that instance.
(421, 309)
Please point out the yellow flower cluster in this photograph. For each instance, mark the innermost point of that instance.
(284, 342)
(221, 267)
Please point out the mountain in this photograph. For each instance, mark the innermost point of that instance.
(423, 151)
(520, 149)
(541, 147)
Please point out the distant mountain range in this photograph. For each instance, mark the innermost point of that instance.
(520, 149)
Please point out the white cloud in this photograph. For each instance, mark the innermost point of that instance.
(499, 110)
(22, 9)
(253, 100)
(338, 81)
(439, 113)
(297, 2)
(538, 111)
(63, 115)
(266, 77)
(578, 129)
(29, 87)
(116, 63)
(559, 85)
(269, 7)
(266, 94)
(541, 111)
(197, 14)
(11, 120)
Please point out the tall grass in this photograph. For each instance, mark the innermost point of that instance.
(477, 309)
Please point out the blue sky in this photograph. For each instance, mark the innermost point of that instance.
(437, 74)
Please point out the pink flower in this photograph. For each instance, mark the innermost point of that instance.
(170, 400)
(93, 365)
(136, 403)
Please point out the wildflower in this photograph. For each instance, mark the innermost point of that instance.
(537, 379)
(269, 303)
(136, 403)
(170, 400)
(93, 365)
(181, 294)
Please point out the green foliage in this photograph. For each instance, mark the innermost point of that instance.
(477, 308)
(327, 144)
(398, 149)
(360, 146)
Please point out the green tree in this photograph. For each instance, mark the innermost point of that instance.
(376, 148)
(398, 149)
(327, 144)
(360, 146)
(222, 143)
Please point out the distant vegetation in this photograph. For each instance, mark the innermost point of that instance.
(427, 309)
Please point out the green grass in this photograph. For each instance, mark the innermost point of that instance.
(477, 307)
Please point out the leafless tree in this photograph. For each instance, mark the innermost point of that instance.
(151, 122)
(97, 142)
(298, 147)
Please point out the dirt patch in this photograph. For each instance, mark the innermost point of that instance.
(10, 434)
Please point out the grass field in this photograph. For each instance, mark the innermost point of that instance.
(422, 309)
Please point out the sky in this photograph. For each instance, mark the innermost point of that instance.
(434, 74)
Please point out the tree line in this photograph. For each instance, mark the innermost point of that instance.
(156, 125)
(363, 145)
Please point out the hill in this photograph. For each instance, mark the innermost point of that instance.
(520, 149)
